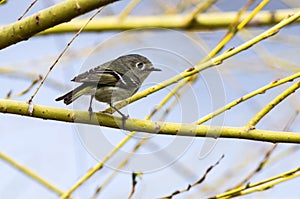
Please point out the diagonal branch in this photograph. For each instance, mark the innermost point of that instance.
(210, 63)
(57, 14)
(263, 112)
(30, 173)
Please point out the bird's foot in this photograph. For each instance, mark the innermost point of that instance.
(90, 112)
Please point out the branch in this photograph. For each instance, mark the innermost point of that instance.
(199, 181)
(155, 127)
(203, 21)
(263, 112)
(210, 63)
(248, 96)
(259, 186)
(57, 14)
(30, 174)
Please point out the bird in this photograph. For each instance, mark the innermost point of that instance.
(112, 81)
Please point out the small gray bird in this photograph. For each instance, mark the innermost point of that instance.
(112, 81)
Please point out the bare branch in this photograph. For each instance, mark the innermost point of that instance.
(155, 127)
(50, 17)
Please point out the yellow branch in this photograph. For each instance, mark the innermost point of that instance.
(263, 112)
(30, 173)
(210, 63)
(57, 14)
(248, 96)
(155, 127)
(203, 21)
(259, 186)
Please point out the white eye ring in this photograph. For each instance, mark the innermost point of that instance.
(140, 65)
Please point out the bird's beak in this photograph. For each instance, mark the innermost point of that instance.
(154, 69)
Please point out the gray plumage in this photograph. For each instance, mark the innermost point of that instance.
(112, 81)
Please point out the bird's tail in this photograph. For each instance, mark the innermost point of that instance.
(75, 93)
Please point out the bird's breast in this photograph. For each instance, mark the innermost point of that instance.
(112, 94)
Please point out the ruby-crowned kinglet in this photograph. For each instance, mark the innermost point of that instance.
(112, 81)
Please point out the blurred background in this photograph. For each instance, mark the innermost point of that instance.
(62, 153)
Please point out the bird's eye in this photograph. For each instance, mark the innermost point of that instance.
(140, 65)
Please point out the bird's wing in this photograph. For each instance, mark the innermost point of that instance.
(100, 75)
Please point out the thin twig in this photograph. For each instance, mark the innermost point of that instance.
(29, 7)
(61, 54)
(195, 183)
(34, 82)
(259, 167)
(134, 182)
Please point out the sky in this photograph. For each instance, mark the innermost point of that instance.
(62, 153)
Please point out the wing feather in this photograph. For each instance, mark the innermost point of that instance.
(104, 76)
(100, 75)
